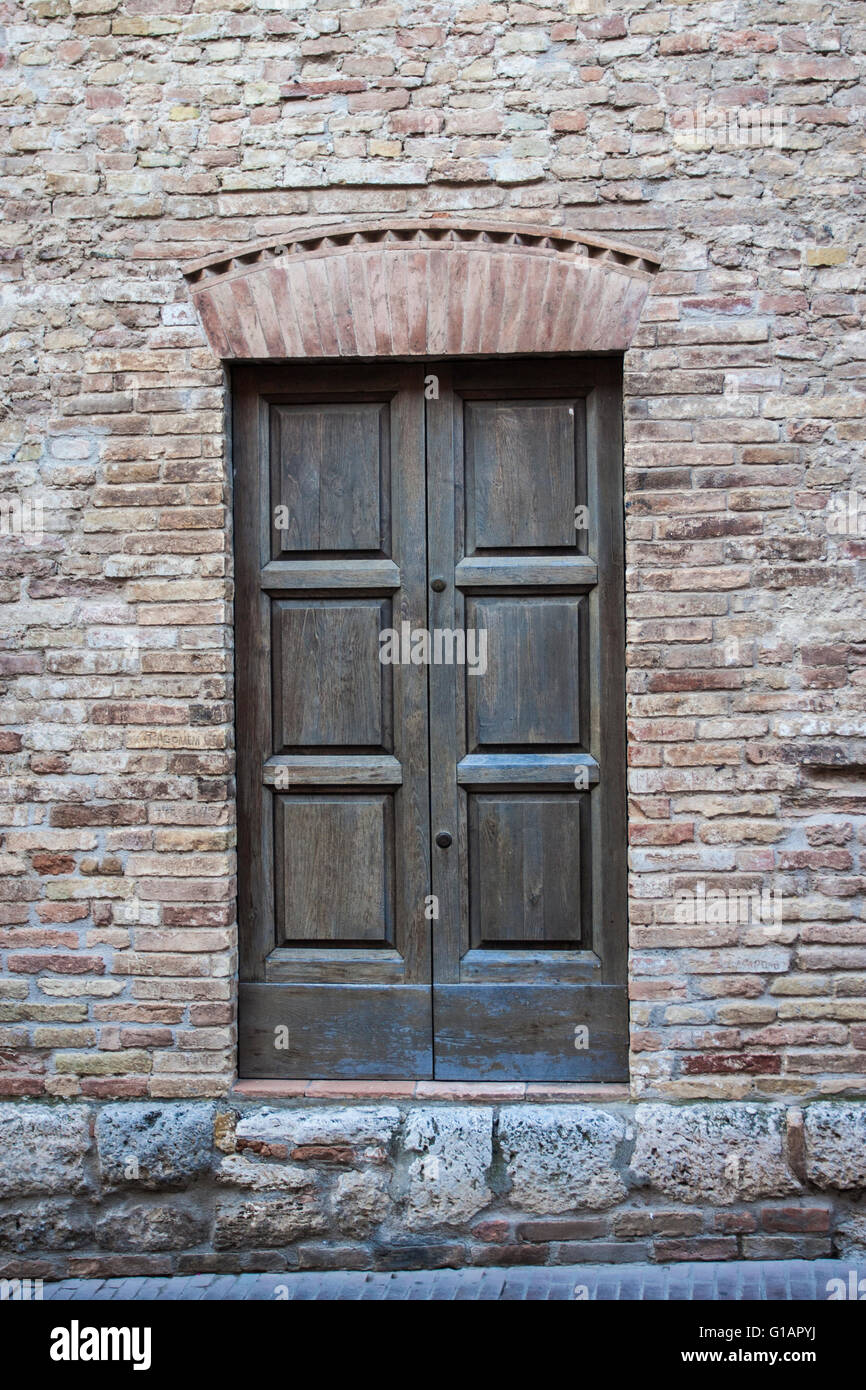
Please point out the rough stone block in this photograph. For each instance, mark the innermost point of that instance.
(836, 1145)
(448, 1180)
(261, 1176)
(266, 1221)
(153, 1146)
(561, 1157)
(712, 1153)
(367, 1130)
(45, 1225)
(152, 1227)
(850, 1238)
(360, 1201)
(43, 1149)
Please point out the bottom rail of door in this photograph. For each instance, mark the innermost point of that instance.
(461, 1032)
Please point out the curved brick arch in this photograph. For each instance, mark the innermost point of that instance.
(421, 288)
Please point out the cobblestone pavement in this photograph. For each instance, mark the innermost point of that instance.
(775, 1280)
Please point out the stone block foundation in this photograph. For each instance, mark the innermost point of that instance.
(404, 1183)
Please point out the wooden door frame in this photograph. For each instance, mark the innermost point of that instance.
(599, 989)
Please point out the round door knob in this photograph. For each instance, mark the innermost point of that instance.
(443, 839)
(437, 585)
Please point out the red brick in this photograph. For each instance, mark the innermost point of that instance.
(53, 863)
(696, 1248)
(731, 1064)
(796, 1218)
(56, 964)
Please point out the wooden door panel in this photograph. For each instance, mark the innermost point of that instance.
(334, 868)
(530, 692)
(333, 750)
(330, 471)
(525, 869)
(527, 1032)
(510, 504)
(330, 689)
(527, 756)
(353, 1031)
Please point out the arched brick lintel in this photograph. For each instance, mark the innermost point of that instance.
(421, 289)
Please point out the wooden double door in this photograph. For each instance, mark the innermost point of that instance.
(430, 713)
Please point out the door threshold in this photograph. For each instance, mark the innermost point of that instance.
(431, 1090)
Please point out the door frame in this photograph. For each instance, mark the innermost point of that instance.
(429, 287)
(590, 983)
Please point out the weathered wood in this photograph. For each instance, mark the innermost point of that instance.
(524, 855)
(351, 965)
(530, 692)
(331, 770)
(510, 503)
(607, 669)
(527, 769)
(252, 666)
(334, 868)
(286, 576)
(503, 893)
(328, 462)
(528, 966)
(330, 689)
(521, 780)
(445, 530)
(411, 710)
(343, 865)
(526, 1032)
(519, 571)
(351, 1031)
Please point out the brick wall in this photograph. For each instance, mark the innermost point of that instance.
(141, 134)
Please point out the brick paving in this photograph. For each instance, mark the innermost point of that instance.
(771, 1280)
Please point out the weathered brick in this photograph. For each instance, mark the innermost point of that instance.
(744, 425)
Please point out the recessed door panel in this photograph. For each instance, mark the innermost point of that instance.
(330, 689)
(530, 692)
(526, 876)
(512, 503)
(330, 469)
(335, 868)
